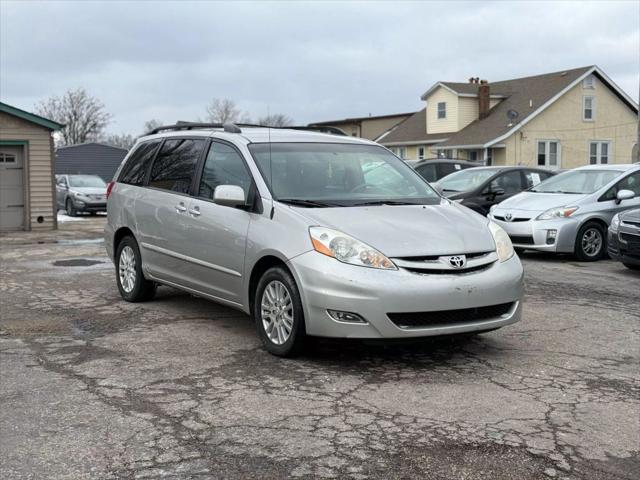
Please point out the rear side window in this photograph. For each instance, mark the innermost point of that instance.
(428, 172)
(447, 168)
(134, 170)
(224, 166)
(175, 164)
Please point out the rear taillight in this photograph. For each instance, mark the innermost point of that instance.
(109, 188)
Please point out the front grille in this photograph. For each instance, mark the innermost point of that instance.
(522, 239)
(457, 271)
(436, 257)
(517, 219)
(630, 238)
(448, 317)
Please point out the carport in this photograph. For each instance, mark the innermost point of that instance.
(27, 191)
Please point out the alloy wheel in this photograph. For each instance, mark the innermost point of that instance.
(127, 269)
(277, 312)
(591, 242)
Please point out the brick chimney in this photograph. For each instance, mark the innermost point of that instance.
(483, 99)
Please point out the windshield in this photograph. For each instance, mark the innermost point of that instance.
(331, 174)
(84, 181)
(465, 180)
(577, 181)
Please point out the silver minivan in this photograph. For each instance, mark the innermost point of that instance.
(311, 234)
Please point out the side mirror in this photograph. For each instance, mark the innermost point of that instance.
(497, 191)
(624, 195)
(229, 196)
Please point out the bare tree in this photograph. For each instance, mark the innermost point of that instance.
(276, 120)
(122, 140)
(225, 110)
(84, 116)
(151, 124)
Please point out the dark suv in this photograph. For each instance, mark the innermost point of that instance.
(433, 169)
(624, 238)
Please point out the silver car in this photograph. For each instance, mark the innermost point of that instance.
(81, 193)
(570, 213)
(310, 234)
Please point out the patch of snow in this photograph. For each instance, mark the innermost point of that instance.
(66, 218)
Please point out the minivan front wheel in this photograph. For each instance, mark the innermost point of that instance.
(590, 242)
(132, 285)
(277, 311)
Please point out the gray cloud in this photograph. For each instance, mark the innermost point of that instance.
(310, 60)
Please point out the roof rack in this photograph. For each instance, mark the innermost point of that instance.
(235, 127)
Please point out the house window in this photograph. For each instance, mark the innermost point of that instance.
(588, 82)
(402, 152)
(588, 110)
(473, 155)
(599, 152)
(447, 153)
(549, 153)
(442, 110)
(421, 151)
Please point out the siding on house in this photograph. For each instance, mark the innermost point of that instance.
(89, 159)
(39, 186)
(563, 121)
(442, 125)
(469, 110)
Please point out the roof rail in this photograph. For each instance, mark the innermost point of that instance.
(235, 127)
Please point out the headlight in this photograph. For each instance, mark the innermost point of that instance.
(493, 207)
(504, 247)
(78, 194)
(615, 222)
(347, 249)
(558, 212)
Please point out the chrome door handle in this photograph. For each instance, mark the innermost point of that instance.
(180, 208)
(195, 211)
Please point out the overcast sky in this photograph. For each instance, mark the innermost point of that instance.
(313, 61)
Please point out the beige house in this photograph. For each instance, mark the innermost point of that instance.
(27, 191)
(366, 127)
(555, 120)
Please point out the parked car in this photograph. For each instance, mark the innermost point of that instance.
(570, 212)
(81, 193)
(434, 169)
(482, 187)
(310, 234)
(624, 238)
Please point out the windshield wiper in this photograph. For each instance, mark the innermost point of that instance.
(449, 190)
(383, 202)
(298, 202)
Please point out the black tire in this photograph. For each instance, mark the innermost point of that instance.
(296, 340)
(141, 289)
(630, 266)
(582, 251)
(70, 208)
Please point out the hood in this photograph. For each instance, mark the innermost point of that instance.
(538, 202)
(90, 190)
(456, 195)
(409, 230)
(631, 215)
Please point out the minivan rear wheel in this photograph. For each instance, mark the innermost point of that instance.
(132, 285)
(278, 313)
(590, 242)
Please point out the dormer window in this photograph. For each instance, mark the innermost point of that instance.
(442, 110)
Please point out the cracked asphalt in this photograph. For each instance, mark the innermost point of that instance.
(94, 387)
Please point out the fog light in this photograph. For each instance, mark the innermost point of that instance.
(551, 236)
(345, 317)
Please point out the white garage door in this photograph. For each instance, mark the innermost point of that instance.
(11, 189)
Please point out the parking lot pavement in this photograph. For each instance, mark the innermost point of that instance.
(93, 387)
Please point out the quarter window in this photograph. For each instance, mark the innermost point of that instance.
(134, 170)
(548, 153)
(175, 164)
(588, 111)
(442, 109)
(599, 152)
(224, 166)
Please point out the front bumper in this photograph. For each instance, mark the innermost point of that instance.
(534, 234)
(620, 250)
(326, 283)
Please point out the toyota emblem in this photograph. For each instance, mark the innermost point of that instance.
(508, 217)
(457, 261)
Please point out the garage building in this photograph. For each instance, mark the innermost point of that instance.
(27, 190)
